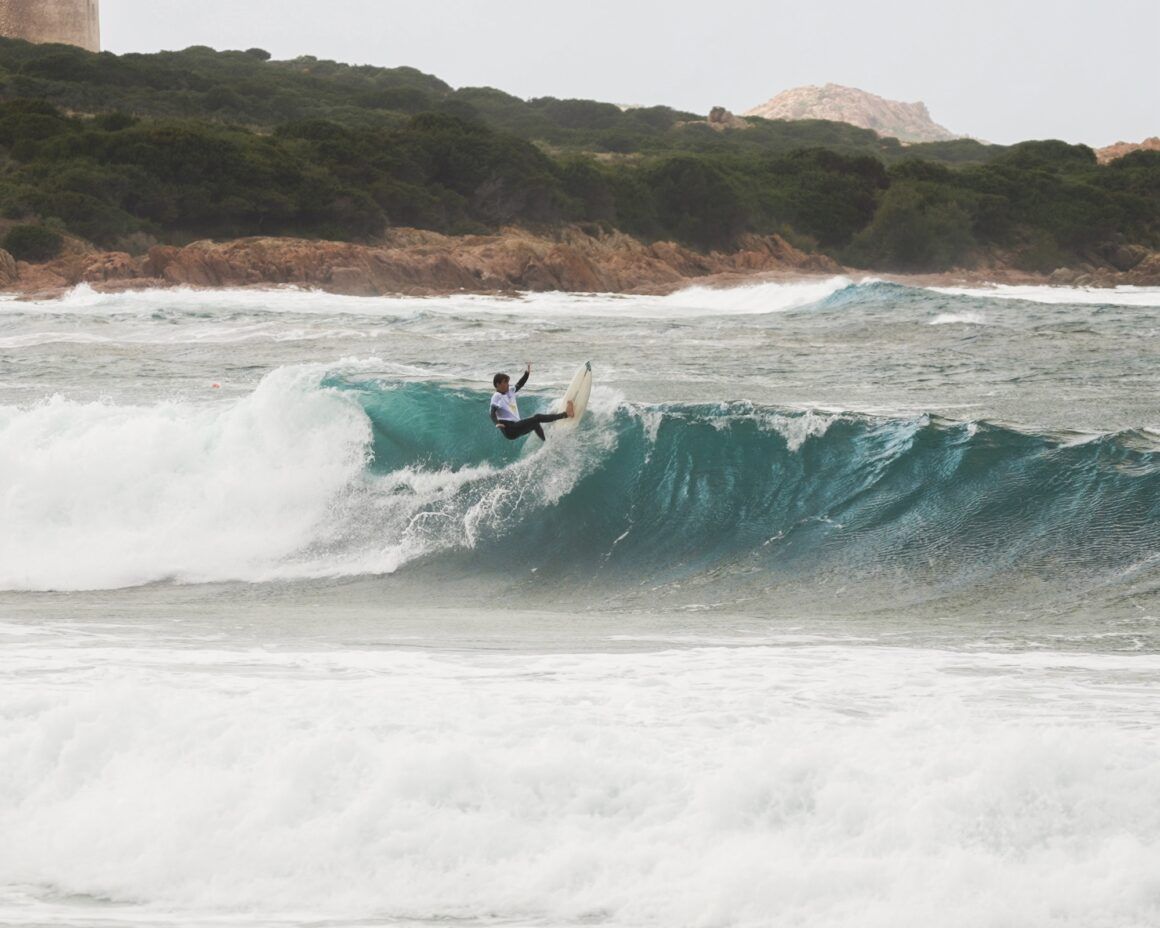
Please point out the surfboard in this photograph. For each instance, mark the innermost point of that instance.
(578, 392)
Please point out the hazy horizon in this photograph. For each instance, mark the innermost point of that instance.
(989, 71)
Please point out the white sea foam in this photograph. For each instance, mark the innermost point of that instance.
(796, 430)
(205, 334)
(959, 319)
(690, 302)
(101, 495)
(1083, 296)
(754, 299)
(812, 785)
(83, 300)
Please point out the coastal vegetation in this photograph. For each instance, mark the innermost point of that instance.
(32, 243)
(129, 150)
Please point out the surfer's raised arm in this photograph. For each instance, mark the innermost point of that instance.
(527, 373)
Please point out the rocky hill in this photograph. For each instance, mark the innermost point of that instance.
(908, 122)
(1112, 152)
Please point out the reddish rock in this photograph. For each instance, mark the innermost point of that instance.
(721, 119)
(1146, 273)
(114, 265)
(573, 270)
(416, 262)
(158, 259)
(1112, 152)
(40, 278)
(8, 271)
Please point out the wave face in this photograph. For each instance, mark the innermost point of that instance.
(319, 474)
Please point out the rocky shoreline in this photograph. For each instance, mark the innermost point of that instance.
(418, 263)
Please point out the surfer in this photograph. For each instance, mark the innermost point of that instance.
(505, 412)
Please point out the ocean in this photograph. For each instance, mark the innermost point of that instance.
(840, 608)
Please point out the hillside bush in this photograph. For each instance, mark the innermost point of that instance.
(33, 243)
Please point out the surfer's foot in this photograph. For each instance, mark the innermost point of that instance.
(571, 410)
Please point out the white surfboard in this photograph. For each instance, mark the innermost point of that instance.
(578, 392)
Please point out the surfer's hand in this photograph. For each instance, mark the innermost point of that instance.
(529, 366)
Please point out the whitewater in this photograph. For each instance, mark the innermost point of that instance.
(840, 608)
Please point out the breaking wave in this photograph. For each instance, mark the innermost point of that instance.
(319, 473)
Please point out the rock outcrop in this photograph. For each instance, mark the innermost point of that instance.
(1139, 267)
(415, 262)
(908, 122)
(1112, 152)
(418, 263)
(721, 119)
(9, 273)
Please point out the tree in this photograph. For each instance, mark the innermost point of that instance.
(697, 202)
(33, 243)
(915, 229)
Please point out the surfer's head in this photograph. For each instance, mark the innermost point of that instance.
(501, 381)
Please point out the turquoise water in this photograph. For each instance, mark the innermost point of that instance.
(839, 608)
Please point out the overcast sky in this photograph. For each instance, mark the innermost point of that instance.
(1000, 70)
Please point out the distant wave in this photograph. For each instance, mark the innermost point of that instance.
(753, 299)
(1083, 296)
(319, 474)
(761, 298)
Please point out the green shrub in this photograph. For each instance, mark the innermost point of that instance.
(33, 243)
(915, 229)
(697, 202)
(115, 122)
(1041, 255)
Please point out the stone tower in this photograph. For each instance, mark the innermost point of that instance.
(73, 22)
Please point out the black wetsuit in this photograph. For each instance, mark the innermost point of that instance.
(513, 430)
